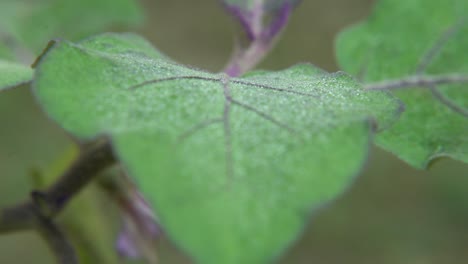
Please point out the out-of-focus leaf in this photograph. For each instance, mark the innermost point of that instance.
(29, 24)
(13, 74)
(421, 38)
(233, 167)
(5, 52)
(33, 23)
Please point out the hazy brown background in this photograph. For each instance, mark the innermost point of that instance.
(393, 213)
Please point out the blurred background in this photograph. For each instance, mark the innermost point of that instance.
(392, 214)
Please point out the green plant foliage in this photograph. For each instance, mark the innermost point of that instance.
(233, 167)
(422, 38)
(34, 22)
(13, 74)
(9, 9)
(5, 51)
(30, 24)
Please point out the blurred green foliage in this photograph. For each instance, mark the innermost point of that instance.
(30, 24)
(385, 48)
(393, 214)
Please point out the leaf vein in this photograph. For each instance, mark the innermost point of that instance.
(201, 125)
(268, 87)
(265, 116)
(174, 78)
(437, 47)
(447, 102)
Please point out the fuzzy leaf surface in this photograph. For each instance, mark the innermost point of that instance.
(423, 38)
(233, 167)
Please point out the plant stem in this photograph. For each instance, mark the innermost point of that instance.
(57, 241)
(249, 58)
(17, 218)
(48, 203)
(38, 212)
(262, 37)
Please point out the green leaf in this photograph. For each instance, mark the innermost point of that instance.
(233, 167)
(9, 10)
(424, 39)
(33, 23)
(13, 74)
(5, 52)
(30, 24)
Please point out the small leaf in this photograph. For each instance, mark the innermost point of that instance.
(30, 24)
(233, 167)
(421, 38)
(13, 74)
(33, 23)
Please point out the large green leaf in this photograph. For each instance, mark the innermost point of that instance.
(13, 74)
(233, 167)
(428, 39)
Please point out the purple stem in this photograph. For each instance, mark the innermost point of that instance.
(262, 38)
(280, 21)
(140, 230)
(243, 16)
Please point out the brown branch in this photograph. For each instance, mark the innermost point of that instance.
(17, 218)
(48, 203)
(57, 241)
(418, 81)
